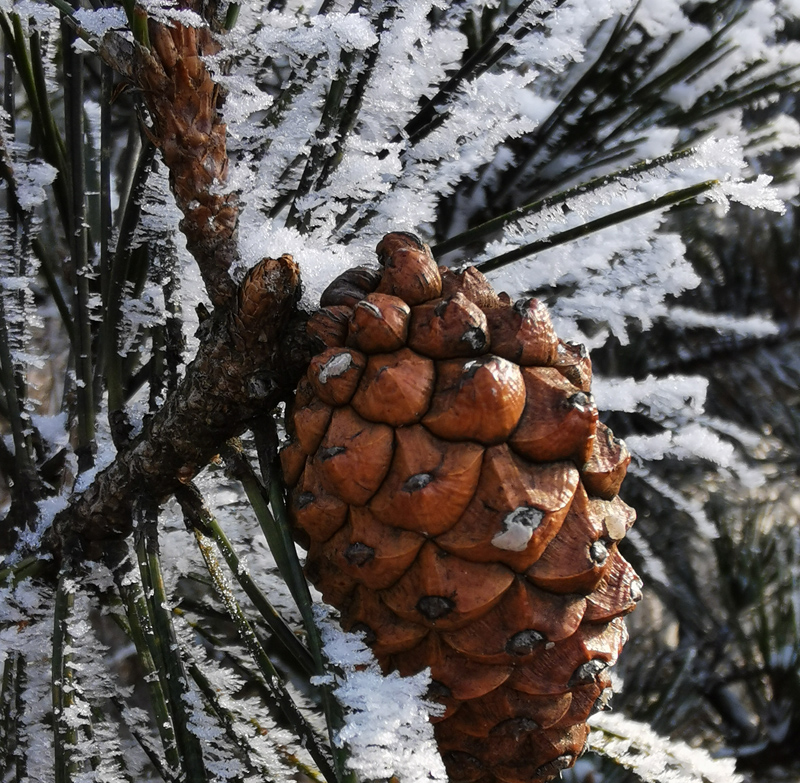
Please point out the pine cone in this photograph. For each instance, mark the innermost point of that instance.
(458, 499)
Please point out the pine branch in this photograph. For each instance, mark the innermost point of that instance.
(271, 678)
(240, 368)
(321, 149)
(276, 528)
(118, 275)
(434, 111)
(79, 247)
(350, 114)
(199, 517)
(501, 221)
(140, 632)
(229, 722)
(166, 649)
(65, 735)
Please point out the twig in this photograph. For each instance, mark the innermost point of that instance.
(239, 369)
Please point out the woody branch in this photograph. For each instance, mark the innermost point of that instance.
(240, 367)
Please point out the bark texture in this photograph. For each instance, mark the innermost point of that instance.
(240, 370)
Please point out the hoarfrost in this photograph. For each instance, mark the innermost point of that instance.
(52, 430)
(26, 625)
(30, 538)
(747, 438)
(694, 441)
(693, 508)
(169, 10)
(230, 720)
(756, 194)
(653, 758)
(783, 132)
(37, 13)
(100, 20)
(244, 98)
(160, 213)
(140, 313)
(82, 47)
(659, 397)
(663, 17)
(31, 181)
(753, 326)
(386, 729)
(651, 564)
(564, 33)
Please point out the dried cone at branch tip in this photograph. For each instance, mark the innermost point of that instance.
(458, 499)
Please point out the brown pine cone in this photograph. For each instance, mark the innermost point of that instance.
(459, 501)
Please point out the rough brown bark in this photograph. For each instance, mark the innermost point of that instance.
(248, 348)
(239, 371)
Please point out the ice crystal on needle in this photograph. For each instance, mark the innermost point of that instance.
(99, 21)
(386, 731)
(656, 759)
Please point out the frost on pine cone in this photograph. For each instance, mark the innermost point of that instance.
(458, 499)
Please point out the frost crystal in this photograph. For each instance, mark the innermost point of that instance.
(386, 731)
(653, 758)
(100, 20)
(169, 10)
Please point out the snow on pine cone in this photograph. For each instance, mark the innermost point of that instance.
(458, 499)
